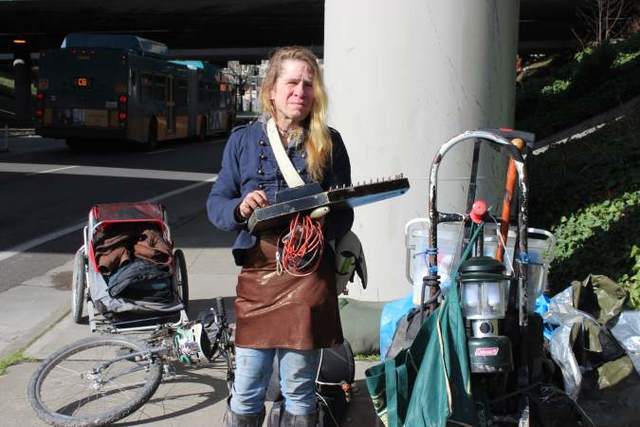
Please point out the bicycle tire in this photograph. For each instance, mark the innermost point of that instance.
(231, 369)
(91, 382)
(78, 285)
(230, 360)
(181, 278)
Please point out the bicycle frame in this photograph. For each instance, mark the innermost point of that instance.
(119, 374)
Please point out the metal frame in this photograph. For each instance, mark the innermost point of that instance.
(97, 322)
(433, 280)
(436, 217)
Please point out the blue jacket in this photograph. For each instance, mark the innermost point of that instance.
(248, 164)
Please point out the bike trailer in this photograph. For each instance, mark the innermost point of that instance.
(127, 271)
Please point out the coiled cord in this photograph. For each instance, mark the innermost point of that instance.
(300, 249)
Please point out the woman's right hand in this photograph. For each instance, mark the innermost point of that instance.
(252, 201)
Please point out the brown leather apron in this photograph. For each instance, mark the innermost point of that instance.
(283, 311)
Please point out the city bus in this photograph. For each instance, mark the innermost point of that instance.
(98, 86)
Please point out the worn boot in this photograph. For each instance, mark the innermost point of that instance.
(231, 419)
(290, 420)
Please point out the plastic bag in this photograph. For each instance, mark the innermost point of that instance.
(392, 312)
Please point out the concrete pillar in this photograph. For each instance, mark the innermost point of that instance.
(22, 87)
(403, 78)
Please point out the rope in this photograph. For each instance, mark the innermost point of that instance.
(300, 249)
(502, 242)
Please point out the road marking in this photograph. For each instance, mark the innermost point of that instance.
(39, 241)
(167, 175)
(63, 232)
(160, 151)
(52, 170)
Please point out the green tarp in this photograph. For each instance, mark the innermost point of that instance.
(428, 384)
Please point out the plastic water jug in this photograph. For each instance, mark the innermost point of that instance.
(416, 243)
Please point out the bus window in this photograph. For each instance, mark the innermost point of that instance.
(158, 88)
(180, 97)
(134, 84)
(146, 85)
(202, 93)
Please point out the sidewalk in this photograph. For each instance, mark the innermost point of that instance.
(194, 397)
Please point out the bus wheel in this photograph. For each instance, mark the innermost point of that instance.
(202, 137)
(74, 144)
(152, 136)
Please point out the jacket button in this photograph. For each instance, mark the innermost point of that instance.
(260, 171)
(262, 156)
(261, 186)
(300, 171)
(262, 142)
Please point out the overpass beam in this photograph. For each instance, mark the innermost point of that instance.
(403, 78)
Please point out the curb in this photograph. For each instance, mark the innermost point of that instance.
(570, 134)
(32, 335)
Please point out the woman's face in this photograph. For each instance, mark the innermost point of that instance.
(292, 95)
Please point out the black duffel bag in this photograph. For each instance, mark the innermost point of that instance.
(336, 373)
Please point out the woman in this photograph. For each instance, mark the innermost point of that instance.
(279, 314)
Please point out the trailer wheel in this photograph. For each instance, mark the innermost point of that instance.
(152, 135)
(181, 278)
(78, 286)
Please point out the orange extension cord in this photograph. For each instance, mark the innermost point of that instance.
(300, 249)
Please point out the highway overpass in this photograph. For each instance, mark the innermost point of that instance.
(228, 29)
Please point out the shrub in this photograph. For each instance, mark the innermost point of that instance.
(556, 88)
(593, 67)
(576, 87)
(587, 192)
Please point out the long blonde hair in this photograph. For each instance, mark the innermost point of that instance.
(317, 138)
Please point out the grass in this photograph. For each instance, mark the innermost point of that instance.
(13, 359)
(367, 357)
(18, 356)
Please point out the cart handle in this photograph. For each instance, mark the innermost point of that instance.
(435, 216)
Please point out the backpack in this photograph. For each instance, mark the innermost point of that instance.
(336, 373)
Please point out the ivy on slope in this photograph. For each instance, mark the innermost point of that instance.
(587, 192)
(575, 88)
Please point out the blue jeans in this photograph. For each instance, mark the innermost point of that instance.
(298, 370)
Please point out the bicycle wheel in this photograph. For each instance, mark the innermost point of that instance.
(78, 285)
(231, 368)
(229, 353)
(181, 278)
(94, 382)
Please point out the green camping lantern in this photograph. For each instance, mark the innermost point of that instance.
(484, 288)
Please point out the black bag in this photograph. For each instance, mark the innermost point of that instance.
(337, 367)
(405, 333)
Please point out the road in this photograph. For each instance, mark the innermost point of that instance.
(47, 191)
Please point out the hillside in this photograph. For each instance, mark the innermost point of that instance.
(587, 191)
(559, 91)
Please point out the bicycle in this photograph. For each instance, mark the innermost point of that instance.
(102, 379)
